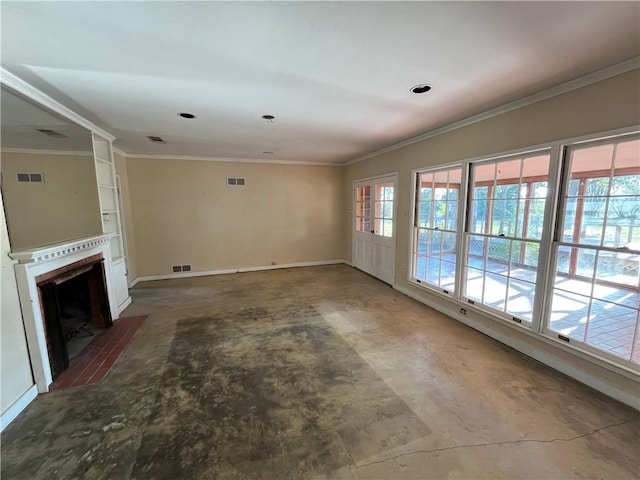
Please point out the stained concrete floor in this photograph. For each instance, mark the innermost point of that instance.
(316, 372)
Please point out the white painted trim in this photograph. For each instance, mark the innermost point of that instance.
(223, 160)
(612, 71)
(16, 83)
(10, 414)
(527, 346)
(50, 252)
(207, 273)
(123, 305)
(35, 151)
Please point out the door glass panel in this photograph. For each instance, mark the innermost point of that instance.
(384, 209)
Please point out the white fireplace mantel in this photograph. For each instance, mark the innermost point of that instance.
(51, 252)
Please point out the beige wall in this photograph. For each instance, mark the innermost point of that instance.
(15, 367)
(183, 213)
(127, 220)
(62, 208)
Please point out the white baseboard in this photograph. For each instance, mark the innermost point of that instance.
(17, 407)
(207, 273)
(532, 346)
(123, 305)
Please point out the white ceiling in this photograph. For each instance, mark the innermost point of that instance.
(21, 118)
(336, 75)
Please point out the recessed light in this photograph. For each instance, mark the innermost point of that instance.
(268, 117)
(422, 88)
(267, 153)
(187, 115)
(155, 139)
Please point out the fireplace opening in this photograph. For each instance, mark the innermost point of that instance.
(76, 309)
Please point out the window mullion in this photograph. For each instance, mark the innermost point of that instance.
(462, 224)
(546, 260)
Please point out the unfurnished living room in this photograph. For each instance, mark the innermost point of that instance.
(358, 240)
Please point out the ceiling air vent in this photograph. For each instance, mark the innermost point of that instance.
(155, 139)
(235, 181)
(51, 133)
(30, 178)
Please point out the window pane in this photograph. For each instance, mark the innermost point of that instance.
(495, 291)
(474, 284)
(420, 272)
(535, 225)
(433, 271)
(520, 299)
(619, 268)
(569, 314)
(387, 228)
(476, 251)
(499, 250)
(448, 275)
(611, 328)
(421, 242)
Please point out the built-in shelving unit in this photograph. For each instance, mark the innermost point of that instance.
(110, 212)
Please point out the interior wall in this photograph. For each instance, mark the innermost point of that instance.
(64, 207)
(184, 213)
(599, 107)
(130, 237)
(604, 106)
(15, 366)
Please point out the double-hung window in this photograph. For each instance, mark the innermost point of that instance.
(595, 297)
(503, 233)
(436, 228)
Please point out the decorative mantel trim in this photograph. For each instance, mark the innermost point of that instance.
(50, 252)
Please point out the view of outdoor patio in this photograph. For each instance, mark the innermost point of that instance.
(595, 295)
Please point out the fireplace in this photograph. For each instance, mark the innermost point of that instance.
(74, 302)
(43, 275)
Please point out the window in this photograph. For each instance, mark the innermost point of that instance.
(504, 231)
(595, 294)
(363, 209)
(574, 277)
(435, 227)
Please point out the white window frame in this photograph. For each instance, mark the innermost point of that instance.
(542, 299)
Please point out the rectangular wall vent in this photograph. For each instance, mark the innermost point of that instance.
(236, 181)
(155, 139)
(51, 133)
(180, 268)
(30, 177)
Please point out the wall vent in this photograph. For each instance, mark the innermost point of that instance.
(30, 177)
(51, 133)
(180, 268)
(155, 139)
(236, 182)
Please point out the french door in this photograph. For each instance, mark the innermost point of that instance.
(375, 227)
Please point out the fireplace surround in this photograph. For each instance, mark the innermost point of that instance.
(42, 266)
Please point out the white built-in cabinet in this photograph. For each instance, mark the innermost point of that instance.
(111, 218)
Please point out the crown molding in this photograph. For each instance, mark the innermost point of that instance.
(37, 151)
(16, 83)
(612, 71)
(222, 159)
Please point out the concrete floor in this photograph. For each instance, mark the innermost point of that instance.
(317, 372)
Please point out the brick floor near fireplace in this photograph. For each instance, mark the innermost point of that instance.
(94, 362)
